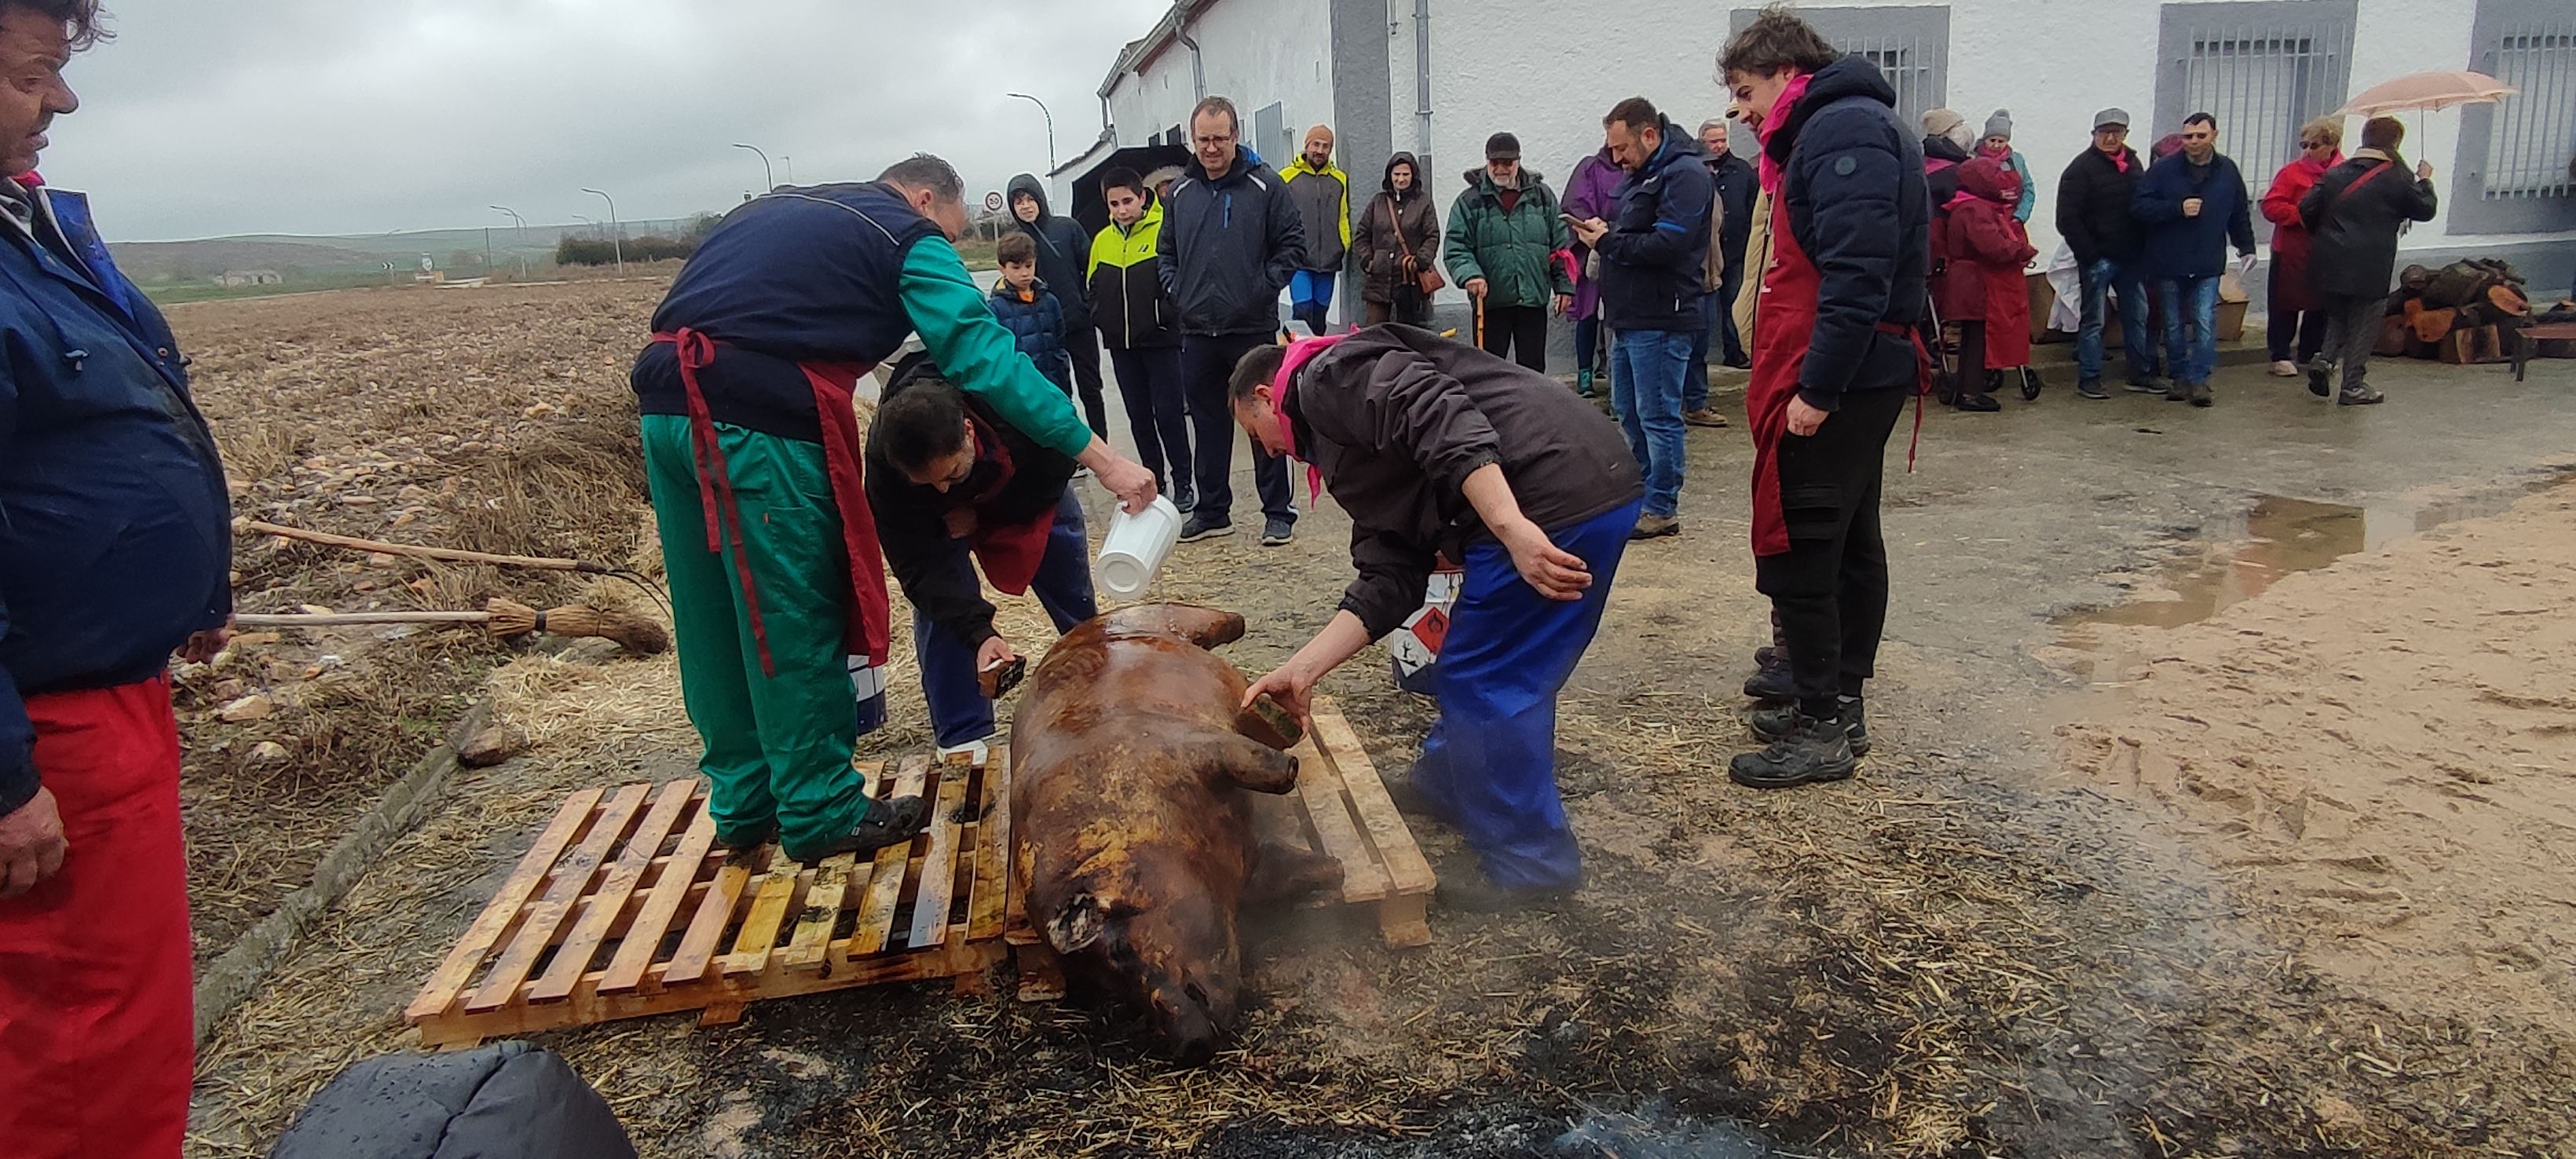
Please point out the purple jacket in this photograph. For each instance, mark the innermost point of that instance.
(1593, 191)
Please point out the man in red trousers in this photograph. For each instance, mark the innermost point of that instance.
(115, 550)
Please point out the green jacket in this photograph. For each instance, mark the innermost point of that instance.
(1513, 252)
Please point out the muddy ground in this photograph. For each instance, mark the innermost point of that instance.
(1992, 942)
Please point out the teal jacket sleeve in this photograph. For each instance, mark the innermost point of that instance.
(977, 353)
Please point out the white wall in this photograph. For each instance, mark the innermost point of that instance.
(1255, 52)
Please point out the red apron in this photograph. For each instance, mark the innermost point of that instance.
(1010, 555)
(868, 631)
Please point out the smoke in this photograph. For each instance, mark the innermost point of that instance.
(1654, 1133)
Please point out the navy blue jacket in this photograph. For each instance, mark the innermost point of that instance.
(1038, 327)
(115, 530)
(1228, 246)
(2174, 246)
(1064, 251)
(1654, 260)
(1858, 207)
(799, 275)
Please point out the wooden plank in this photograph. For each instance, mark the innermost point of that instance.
(543, 919)
(771, 906)
(939, 865)
(1319, 785)
(1406, 869)
(885, 882)
(607, 903)
(644, 935)
(452, 974)
(706, 928)
(822, 911)
(1041, 973)
(871, 776)
(992, 844)
(1404, 920)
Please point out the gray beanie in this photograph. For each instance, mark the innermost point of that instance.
(2000, 124)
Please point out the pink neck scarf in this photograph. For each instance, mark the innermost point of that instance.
(1300, 352)
(1771, 174)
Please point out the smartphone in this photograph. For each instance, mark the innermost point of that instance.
(1001, 676)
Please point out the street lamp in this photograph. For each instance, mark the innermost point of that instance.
(1050, 124)
(523, 238)
(617, 242)
(769, 180)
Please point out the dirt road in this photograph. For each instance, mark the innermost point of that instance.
(1995, 941)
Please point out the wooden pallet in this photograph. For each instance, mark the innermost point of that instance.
(1340, 808)
(625, 907)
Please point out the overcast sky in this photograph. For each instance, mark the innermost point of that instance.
(206, 118)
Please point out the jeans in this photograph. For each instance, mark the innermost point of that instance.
(958, 711)
(1310, 298)
(1646, 371)
(1149, 382)
(2191, 327)
(1207, 361)
(2103, 278)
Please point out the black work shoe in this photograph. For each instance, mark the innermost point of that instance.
(2091, 388)
(1768, 655)
(1205, 525)
(2200, 395)
(1772, 681)
(1277, 532)
(887, 823)
(1772, 722)
(2030, 384)
(1472, 893)
(2320, 374)
(1977, 403)
(2359, 396)
(1812, 751)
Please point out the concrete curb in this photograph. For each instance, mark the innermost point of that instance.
(232, 978)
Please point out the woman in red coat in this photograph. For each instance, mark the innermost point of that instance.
(1982, 287)
(2294, 310)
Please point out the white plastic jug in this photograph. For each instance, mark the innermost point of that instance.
(1136, 547)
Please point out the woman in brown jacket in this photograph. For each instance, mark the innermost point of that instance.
(1397, 237)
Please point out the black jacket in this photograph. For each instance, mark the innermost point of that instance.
(912, 524)
(2094, 196)
(1654, 260)
(1064, 251)
(1944, 184)
(1737, 185)
(1398, 417)
(2353, 214)
(1229, 246)
(1857, 206)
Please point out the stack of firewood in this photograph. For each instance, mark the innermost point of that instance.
(2464, 312)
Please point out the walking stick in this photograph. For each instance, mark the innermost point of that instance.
(502, 618)
(1480, 321)
(454, 555)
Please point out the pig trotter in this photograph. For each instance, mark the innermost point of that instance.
(1283, 873)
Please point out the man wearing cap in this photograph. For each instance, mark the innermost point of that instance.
(1322, 193)
(2094, 196)
(1504, 235)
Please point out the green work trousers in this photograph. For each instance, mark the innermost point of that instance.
(777, 742)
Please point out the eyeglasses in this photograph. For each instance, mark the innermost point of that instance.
(1216, 140)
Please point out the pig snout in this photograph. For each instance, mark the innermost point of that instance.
(1190, 1022)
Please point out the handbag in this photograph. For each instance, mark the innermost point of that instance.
(1427, 280)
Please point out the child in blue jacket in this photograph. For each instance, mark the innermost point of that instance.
(1032, 314)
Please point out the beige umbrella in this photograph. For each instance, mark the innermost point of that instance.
(2426, 90)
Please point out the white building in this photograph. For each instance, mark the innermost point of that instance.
(1435, 77)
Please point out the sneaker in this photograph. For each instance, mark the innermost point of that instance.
(1772, 681)
(2359, 396)
(1185, 500)
(1704, 417)
(2200, 395)
(886, 823)
(2148, 385)
(1277, 532)
(1810, 752)
(2090, 388)
(1583, 382)
(977, 749)
(1205, 525)
(1656, 526)
(2030, 384)
(2284, 368)
(2321, 376)
(1772, 722)
(1977, 403)
(1474, 893)
(2176, 390)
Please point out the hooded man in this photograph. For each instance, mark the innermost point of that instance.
(1064, 258)
(1322, 193)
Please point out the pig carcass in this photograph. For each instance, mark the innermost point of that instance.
(1128, 765)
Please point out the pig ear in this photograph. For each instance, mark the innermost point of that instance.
(1076, 926)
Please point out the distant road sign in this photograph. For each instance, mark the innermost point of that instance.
(993, 202)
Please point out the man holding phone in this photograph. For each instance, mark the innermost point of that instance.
(952, 484)
(2193, 205)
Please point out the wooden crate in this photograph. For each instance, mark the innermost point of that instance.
(625, 906)
(1340, 808)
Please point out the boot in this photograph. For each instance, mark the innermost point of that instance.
(886, 823)
(1583, 382)
(1810, 752)
(1771, 722)
(1772, 680)
(2200, 395)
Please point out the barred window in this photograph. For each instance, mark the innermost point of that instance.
(2511, 173)
(2263, 69)
(1909, 44)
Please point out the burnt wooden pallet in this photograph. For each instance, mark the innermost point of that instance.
(625, 906)
(1340, 808)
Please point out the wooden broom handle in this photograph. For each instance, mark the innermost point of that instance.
(346, 619)
(450, 554)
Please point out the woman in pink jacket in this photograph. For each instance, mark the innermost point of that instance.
(1592, 192)
(2294, 310)
(1982, 286)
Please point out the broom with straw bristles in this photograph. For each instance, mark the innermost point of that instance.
(502, 618)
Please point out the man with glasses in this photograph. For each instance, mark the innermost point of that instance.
(2094, 197)
(2193, 206)
(1232, 237)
